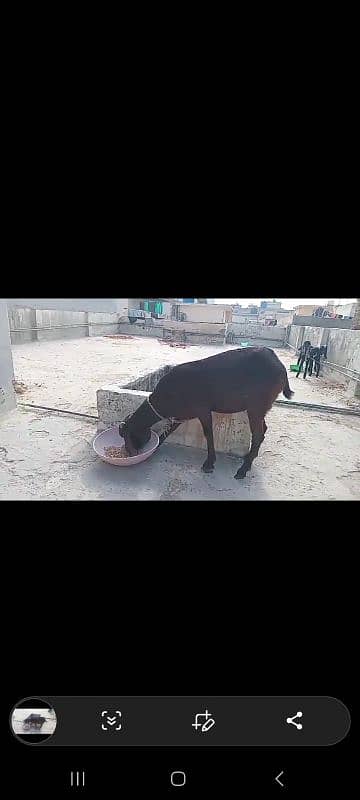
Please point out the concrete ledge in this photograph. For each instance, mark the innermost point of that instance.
(162, 331)
(101, 324)
(231, 431)
(323, 322)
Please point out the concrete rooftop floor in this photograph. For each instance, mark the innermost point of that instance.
(45, 456)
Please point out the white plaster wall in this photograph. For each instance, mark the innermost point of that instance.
(203, 313)
(195, 327)
(344, 349)
(107, 304)
(7, 394)
(258, 331)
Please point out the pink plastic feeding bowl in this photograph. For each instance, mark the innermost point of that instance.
(112, 438)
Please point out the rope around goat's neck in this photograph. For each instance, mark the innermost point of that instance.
(172, 419)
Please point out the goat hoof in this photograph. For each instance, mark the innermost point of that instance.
(207, 468)
(240, 475)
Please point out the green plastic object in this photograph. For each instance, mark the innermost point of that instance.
(295, 368)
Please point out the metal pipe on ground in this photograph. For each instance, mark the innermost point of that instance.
(314, 407)
(310, 406)
(58, 410)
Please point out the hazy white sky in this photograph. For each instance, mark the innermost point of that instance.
(286, 301)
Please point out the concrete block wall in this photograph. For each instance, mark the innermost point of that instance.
(295, 334)
(53, 324)
(204, 328)
(322, 322)
(109, 305)
(30, 324)
(205, 333)
(314, 335)
(204, 313)
(200, 338)
(301, 333)
(7, 394)
(343, 351)
(254, 330)
(343, 345)
(141, 330)
(22, 322)
(101, 324)
(196, 333)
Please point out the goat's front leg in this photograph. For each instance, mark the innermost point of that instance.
(207, 426)
(170, 429)
(307, 364)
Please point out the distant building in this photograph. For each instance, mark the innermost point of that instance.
(271, 312)
(306, 310)
(194, 300)
(251, 312)
(201, 312)
(347, 310)
(330, 309)
(267, 305)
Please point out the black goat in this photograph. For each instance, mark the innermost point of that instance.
(313, 359)
(302, 355)
(247, 379)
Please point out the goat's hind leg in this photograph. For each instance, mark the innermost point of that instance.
(300, 365)
(207, 426)
(258, 429)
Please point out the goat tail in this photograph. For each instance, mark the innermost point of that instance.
(286, 390)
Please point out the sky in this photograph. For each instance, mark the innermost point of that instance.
(285, 301)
